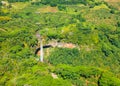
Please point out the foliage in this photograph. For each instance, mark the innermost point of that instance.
(75, 58)
(17, 1)
(64, 56)
(102, 77)
(91, 25)
(61, 8)
(106, 80)
(27, 72)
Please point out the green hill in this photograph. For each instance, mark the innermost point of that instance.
(85, 33)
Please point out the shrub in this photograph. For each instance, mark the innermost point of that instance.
(64, 56)
(53, 4)
(118, 23)
(78, 73)
(61, 8)
(108, 80)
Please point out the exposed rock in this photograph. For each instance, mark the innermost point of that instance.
(54, 75)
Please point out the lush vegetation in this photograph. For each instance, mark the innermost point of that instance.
(91, 76)
(92, 25)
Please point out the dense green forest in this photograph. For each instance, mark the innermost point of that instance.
(92, 26)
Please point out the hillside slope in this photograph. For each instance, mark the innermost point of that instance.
(91, 26)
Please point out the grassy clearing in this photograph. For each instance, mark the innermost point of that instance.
(47, 9)
(101, 16)
(114, 3)
(19, 6)
(112, 0)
